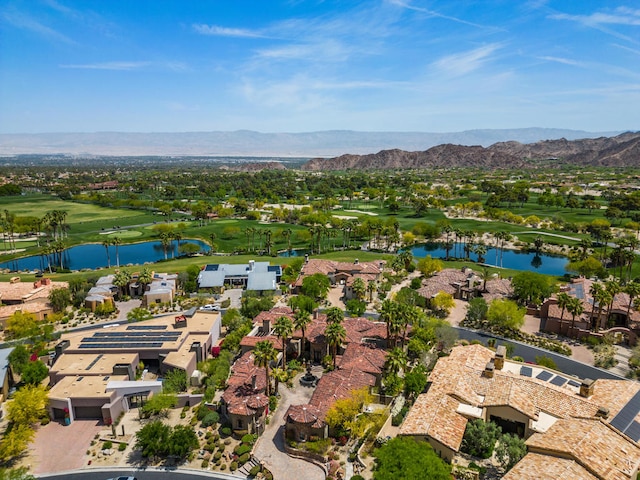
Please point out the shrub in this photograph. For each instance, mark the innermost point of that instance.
(241, 449)
(210, 419)
(223, 466)
(243, 459)
(122, 447)
(217, 456)
(255, 470)
(234, 466)
(205, 463)
(107, 445)
(249, 439)
(273, 403)
(226, 431)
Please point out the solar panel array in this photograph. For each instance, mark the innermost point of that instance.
(148, 338)
(526, 371)
(544, 376)
(95, 360)
(558, 381)
(147, 327)
(578, 290)
(625, 419)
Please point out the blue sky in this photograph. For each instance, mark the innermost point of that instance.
(299, 66)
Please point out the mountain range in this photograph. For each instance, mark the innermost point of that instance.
(249, 143)
(618, 151)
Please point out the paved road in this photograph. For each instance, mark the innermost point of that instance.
(529, 353)
(146, 474)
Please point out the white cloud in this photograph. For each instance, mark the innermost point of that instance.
(463, 63)
(218, 31)
(619, 16)
(433, 13)
(565, 61)
(25, 22)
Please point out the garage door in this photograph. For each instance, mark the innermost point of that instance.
(88, 412)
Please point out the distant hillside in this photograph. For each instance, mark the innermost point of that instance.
(622, 150)
(248, 143)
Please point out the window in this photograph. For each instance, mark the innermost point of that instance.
(240, 423)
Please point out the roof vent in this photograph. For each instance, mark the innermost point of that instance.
(489, 369)
(602, 412)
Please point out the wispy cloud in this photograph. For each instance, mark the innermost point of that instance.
(433, 13)
(26, 22)
(619, 16)
(124, 66)
(216, 30)
(564, 61)
(460, 64)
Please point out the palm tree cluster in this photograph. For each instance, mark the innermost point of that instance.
(398, 317)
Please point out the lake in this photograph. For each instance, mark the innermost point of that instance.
(94, 255)
(513, 259)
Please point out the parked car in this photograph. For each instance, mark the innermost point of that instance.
(122, 478)
(210, 307)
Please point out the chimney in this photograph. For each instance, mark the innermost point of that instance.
(356, 261)
(501, 354)
(253, 382)
(586, 389)
(251, 265)
(488, 370)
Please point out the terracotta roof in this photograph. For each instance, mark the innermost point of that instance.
(535, 467)
(459, 379)
(27, 291)
(594, 444)
(273, 314)
(363, 357)
(240, 396)
(328, 267)
(305, 414)
(250, 341)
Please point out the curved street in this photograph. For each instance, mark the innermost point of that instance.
(146, 474)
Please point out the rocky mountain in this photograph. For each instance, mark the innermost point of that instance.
(248, 143)
(621, 150)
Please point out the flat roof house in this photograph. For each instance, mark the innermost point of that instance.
(254, 276)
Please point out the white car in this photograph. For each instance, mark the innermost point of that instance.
(210, 307)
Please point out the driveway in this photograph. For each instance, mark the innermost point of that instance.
(270, 446)
(58, 448)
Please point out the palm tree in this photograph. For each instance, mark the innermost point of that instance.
(388, 311)
(371, 288)
(121, 280)
(264, 353)
(145, 278)
(563, 301)
(279, 375)
(481, 251)
(117, 242)
(335, 334)
(301, 320)
(212, 237)
(106, 244)
(407, 258)
(633, 290)
(575, 308)
(359, 288)
(166, 241)
(396, 360)
(334, 315)
(283, 328)
(614, 288)
(286, 234)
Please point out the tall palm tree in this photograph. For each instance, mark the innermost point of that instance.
(372, 286)
(575, 308)
(387, 313)
(396, 361)
(116, 241)
(263, 354)
(335, 334)
(614, 288)
(359, 288)
(334, 315)
(301, 320)
(283, 328)
(121, 280)
(166, 241)
(563, 301)
(106, 244)
(212, 238)
(145, 277)
(286, 234)
(633, 290)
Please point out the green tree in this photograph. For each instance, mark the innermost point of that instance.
(152, 439)
(563, 301)
(334, 315)
(477, 309)
(18, 358)
(480, 438)
(545, 361)
(21, 325)
(283, 328)
(34, 373)
(138, 314)
(359, 288)
(29, 405)
(60, 299)
(442, 303)
(532, 287)
(175, 381)
(428, 266)
(182, 441)
(415, 381)
(264, 353)
(396, 361)
(159, 405)
(301, 320)
(405, 458)
(507, 314)
(510, 450)
(316, 286)
(355, 307)
(575, 308)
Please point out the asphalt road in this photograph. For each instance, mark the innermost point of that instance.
(148, 474)
(529, 353)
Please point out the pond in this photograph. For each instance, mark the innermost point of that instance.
(294, 252)
(94, 255)
(512, 259)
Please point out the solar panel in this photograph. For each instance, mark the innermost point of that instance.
(526, 371)
(147, 327)
(558, 380)
(95, 360)
(625, 418)
(544, 376)
(633, 431)
(573, 383)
